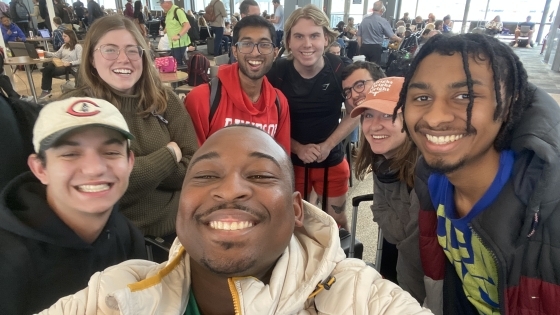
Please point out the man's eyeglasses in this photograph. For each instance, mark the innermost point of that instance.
(358, 87)
(112, 52)
(264, 48)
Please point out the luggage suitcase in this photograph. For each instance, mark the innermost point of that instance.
(352, 247)
(355, 203)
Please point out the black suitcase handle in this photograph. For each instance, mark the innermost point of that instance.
(358, 199)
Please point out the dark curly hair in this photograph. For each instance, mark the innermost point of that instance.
(508, 73)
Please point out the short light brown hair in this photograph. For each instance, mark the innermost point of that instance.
(313, 13)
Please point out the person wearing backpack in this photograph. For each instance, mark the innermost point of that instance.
(176, 29)
(220, 103)
(20, 15)
(214, 14)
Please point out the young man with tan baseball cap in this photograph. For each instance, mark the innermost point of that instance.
(59, 223)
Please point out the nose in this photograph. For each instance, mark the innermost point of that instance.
(375, 123)
(307, 42)
(438, 113)
(93, 165)
(122, 56)
(232, 187)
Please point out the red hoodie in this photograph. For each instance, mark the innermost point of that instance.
(235, 107)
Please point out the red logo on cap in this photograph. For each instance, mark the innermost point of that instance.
(83, 108)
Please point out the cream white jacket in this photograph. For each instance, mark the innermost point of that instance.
(313, 256)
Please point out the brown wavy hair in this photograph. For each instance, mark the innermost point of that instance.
(153, 94)
(73, 40)
(404, 160)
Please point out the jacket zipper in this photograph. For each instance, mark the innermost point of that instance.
(501, 301)
(233, 289)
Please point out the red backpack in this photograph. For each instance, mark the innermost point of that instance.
(198, 69)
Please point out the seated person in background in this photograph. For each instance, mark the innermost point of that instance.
(11, 32)
(495, 26)
(247, 244)
(530, 33)
(340, 28)
(68, 56)
(6, 84)
(405, 18)
(59, 223)
(350, 29)
(59, 29)
(246, 96)
(447, 24)
(227, 29)
(438, 25)
(336, 49)
(418, 23)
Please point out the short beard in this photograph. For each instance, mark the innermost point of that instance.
(228, 267)
(440, 167)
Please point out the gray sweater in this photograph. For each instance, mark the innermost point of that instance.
(395, 210)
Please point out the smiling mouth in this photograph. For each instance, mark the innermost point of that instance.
(379, 137)
(443, 139)
(93, 188)
(307, 53)
(230, 226)
(122, 71)
(255, 62)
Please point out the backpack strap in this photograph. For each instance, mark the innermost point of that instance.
(336, 65)
(215, 95)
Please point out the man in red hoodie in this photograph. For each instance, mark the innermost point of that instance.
(245, 95)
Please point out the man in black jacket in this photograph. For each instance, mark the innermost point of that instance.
(59, 223)
(488, 182)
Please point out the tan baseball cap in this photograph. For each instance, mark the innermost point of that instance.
(383, 96)
(58, 118)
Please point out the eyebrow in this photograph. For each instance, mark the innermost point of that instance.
(261, 155)
(316, 33)
(69, 143)
(259, 40)
(215, 155)
(206, 156)
(454, 85)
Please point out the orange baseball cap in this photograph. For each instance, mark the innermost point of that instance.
(383, 96)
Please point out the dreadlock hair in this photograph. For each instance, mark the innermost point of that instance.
(508, 73)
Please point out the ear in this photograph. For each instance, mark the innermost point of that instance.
(38, 169)
(276, 50)
(234, 51)
(131, 159)
(298, 208)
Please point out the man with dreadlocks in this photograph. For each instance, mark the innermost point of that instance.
(488, 181)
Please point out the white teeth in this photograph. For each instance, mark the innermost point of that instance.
(123, 71)
(307, 53)
(93, 188)
(255, 62)
(443, 139)
(379, 137)
(230, 226)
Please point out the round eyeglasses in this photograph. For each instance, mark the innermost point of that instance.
(264, 48)
(358, 87)
(112, 52)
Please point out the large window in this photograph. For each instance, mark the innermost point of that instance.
(509, 10)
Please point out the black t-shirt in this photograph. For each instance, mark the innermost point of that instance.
(314, 104)
(530, 24)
